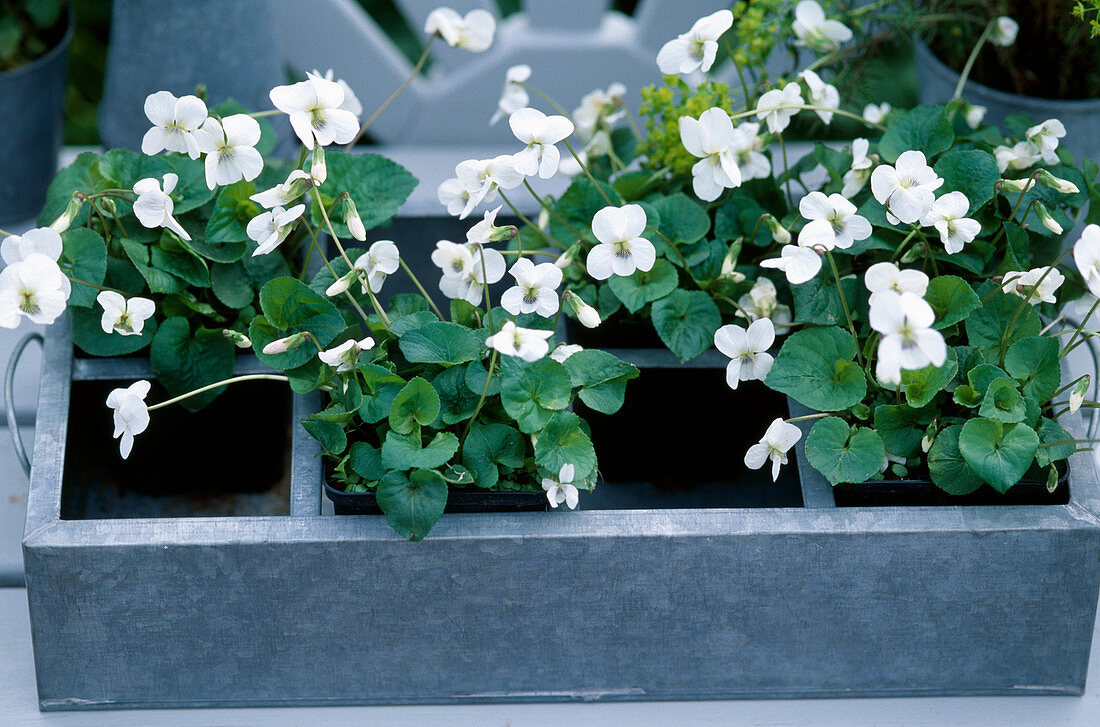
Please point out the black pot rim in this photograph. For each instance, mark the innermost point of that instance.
(50, 55)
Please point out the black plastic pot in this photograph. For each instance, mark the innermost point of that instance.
(230, 458)
(32, 101)
(459, 499)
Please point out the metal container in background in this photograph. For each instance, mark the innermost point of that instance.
(229, 46)
(32, 101)
(1080, 117)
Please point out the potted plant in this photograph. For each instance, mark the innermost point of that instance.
(1045, 72)
(886, 600)
(34, 45)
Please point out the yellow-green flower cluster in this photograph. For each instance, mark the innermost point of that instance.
(662, 107)
(758, 24)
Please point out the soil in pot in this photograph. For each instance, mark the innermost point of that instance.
(1032, 490)
(185, 464)
(459, 499)
(679, 441)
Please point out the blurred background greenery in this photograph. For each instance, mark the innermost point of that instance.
(890, 78)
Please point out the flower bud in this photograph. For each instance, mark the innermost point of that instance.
(1077, 396)
(62, 223)
(342, 283)
(1062, 185)
(501, 234)
(353, 220)
(108, 205)
(1004, 31)
(912, 254)
(282, 345)
(319, 170)
(929, 437)
(779, 233)
(237, 338)
(1017, 185)
(1044, 217)
(588, 316)
(567, 256)
(974, 115)
(729, 263)
(544, 219)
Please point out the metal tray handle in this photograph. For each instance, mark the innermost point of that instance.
(9, 400)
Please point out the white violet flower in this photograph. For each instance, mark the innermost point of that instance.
(351, 101)
(814, 31)
(948, 216)
(297, 184)
(907, 189)
(1044, 138)
(747, 349)
(175, 121)
(230, 148)
(315, 110)
(885, 276)
(776, 107)
(269, 229)
(131, 414)
(775, 444)
(821, 94)
(467, 269)
(1035, 286)
(1086, 255)
(34, 287)
(346, 355)
(799, 264)
(535, 290)
(371, 269)
(154, 206)
(974, 115)
(474, 32)
(528, 344)
(856, 177)
(873, 114)
(762, 301)
(621, 249)
(697, 48)
(908, 340)
(710, 137)
(41, 240)
(561, 489)
(833, 222)
(746, 147)
(482, 177)
(540, 133)
(599, 107)
(122, 316)
(514, 96)
(563, 351)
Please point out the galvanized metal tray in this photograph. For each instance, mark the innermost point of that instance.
(550, 606)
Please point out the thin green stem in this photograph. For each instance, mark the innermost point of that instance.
(786, 172)
(224, 382)
(970, 61)
(808, 417)
(481, 399)
(904, 245)
(807, 107)
(588, 173)
(261, 114)
(553, 104)
(395, 94)
(485, 289)
(847, 311)
(416, 282)
(740, 73)
(549, 208)
(1069, 345)
(93, 285)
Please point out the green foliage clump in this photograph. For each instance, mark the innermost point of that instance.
(662, 107)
